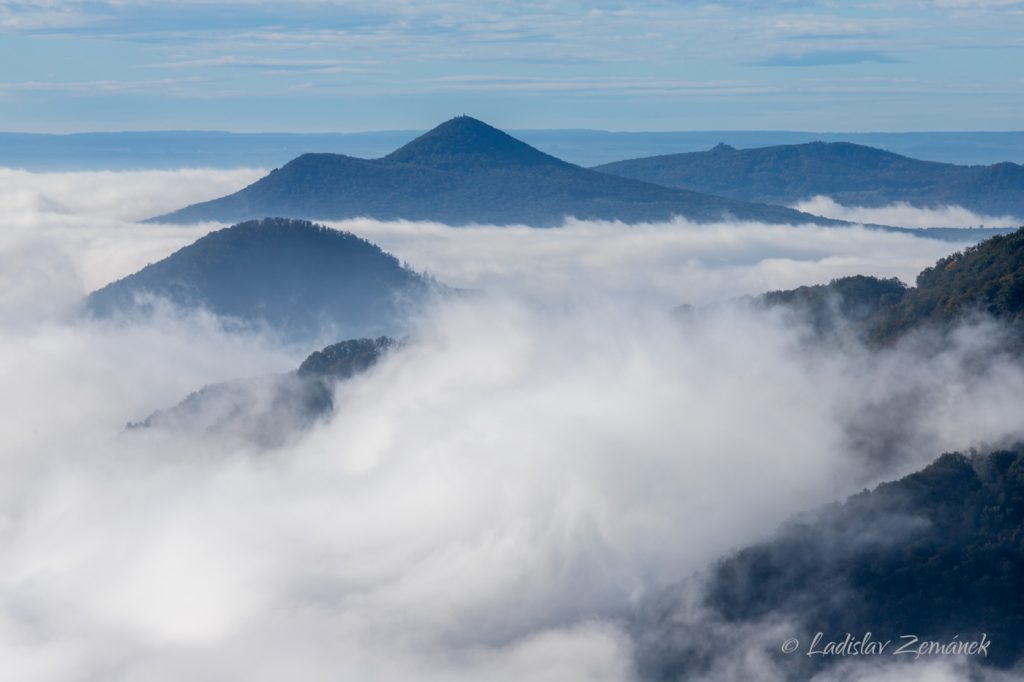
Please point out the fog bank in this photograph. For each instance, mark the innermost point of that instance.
(491, 501)
(903, 214)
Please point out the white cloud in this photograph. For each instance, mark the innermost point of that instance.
(902, 214)
(978, 4)
(272, 65)
(32, 15)
(671, 262)
(477, 503)
(85, 218)
(122, 195)
(164, 86)
(65, 234)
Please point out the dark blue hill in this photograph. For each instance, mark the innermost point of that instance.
(851, 174)
(301, 280)
(461, 172)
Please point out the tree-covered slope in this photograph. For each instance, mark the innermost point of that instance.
(987, 279)
(937, 554)
(851, 174)
(856, 301)
(464, 171)
(269, 410)
(302, 280)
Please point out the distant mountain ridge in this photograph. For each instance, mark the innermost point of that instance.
(851, 174)
(300, 280)
(462, 172)
(170, 149)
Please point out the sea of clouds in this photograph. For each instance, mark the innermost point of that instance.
(492, 501)
(903, 214)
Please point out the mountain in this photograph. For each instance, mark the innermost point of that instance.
(462, 172)
(267, 411)
(851, 174)
(300, 280)
(938, 554)
(986, 278)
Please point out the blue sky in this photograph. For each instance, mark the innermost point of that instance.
(349, 65)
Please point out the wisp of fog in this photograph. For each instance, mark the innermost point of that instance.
(904, 214)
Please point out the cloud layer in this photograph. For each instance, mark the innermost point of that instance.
(674, 263)
(491, 501)
(903, 214)
(65, 234)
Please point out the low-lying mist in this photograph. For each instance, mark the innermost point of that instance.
(677, 262)
(119, 195)
(903, 214)
(65, 234)
(493, 500)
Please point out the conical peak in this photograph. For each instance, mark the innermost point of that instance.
(467, 125)
(467, 142)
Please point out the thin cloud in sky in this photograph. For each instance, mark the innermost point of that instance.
(162, 86)
(268, 65)
(828, 58)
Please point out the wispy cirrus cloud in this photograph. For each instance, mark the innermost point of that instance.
(498, 83)
(164, 86)
(270, 64)
(978, 4)
(43, 16)
(572, 52)
(828, 58)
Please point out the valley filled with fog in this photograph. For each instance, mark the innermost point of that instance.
(496, 497)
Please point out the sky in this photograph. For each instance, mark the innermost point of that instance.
(353, 65)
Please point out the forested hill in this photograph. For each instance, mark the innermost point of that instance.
(302, 281)
(987, 278)
(462, 172)
(851, 174)
(937, 554)
(268, 411)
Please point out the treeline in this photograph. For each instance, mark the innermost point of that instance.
(937, 554)
(987, 279)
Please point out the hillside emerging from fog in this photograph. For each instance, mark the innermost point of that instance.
(851, 174)
(300, 280)
(268, 410)
(987, 278)
(463, 172)
(936, 554)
